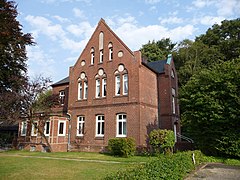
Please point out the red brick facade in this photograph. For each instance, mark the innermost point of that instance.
(117, 95)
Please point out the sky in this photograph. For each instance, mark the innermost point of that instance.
(62, 28)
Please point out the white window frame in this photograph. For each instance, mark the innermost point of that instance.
(23, 126)
(64, 128)
(45, 128)
(172, 74)
(122, 121)
(117, 85)
(104, 87)
(125, 82)
(101, 56)
(100, 124)
(81, 124)
(85, 91)
(62, 97)
(34, 130)
(97, 88)
(80, 90)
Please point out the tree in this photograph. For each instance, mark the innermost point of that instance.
(211, 115)
(37, 104)
(225, 37)
(155, 51)
(13, 58)
(191, 57)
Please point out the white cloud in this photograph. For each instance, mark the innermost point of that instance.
(152, 1)
(211, 20)
(61, 19)
(45, 26)
(39, 62)
(171, 20)
(130, 32)
(82, 29)
(79, 13)
(228, 8)
(202, 3)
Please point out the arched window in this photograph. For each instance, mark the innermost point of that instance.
(82, 87)
(101, 36)
(110, 52)
(101, 84)
(121, 81)
(92, 56)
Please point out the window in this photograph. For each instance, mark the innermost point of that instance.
(172, 74)
(34, 129)
(110, 50)
(61, 128)
(85, 90)
(24, 128)
(125, 84)
(101, 56)
(173, 101)
(61, 97)
(80, 127)
(121, 125)
(80, 90)
(117, 85)
(92, 56)
(97, 88)
(104, 87)
(100, 125)
(47, 128)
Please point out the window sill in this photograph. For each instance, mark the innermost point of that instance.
(99, 138)
(121, 136)
(80, 100)
(119, 96)
(99, 98)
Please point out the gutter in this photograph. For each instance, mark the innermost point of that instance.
(69, 131)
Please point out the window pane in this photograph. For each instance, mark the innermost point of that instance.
(97, 88)
(124, 128)
(120, 128)
(125, 84)
(80, 90)
(61, 128)
(85, 90)
(117, 85)
(47, 127)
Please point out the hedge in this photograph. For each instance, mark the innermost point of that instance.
(171, 167)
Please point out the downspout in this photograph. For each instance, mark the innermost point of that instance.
(69, 131)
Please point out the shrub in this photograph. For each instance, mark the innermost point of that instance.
(162, 140)
(123, 147)
(172, 167)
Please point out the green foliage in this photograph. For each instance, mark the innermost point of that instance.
(210, 102)
(162, 140)
(155, 51)
(225, 37)
(124, 147)
(13, 58)
(172, 167)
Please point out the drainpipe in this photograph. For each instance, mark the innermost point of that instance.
(69, 131)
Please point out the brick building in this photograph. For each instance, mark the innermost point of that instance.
(111, 92)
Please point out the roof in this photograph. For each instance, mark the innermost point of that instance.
(61, 82)
(157, 66)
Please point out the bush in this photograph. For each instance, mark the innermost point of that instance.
(162, 140)
(123, 147)
(172, 167)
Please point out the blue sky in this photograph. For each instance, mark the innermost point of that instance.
(61, 28)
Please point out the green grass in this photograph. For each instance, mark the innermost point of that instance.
(14, 165)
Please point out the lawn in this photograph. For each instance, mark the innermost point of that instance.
(71, 165)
